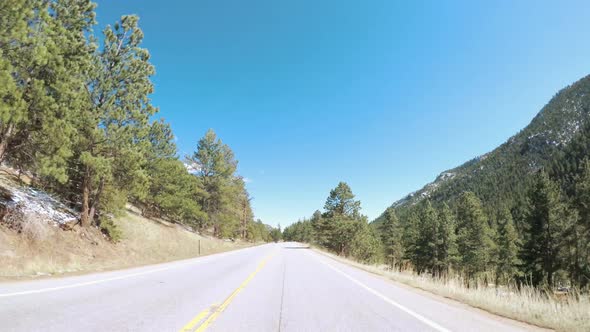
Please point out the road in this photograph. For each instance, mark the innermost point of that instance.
(274, 287)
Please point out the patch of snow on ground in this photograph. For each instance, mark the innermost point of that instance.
(39, 202)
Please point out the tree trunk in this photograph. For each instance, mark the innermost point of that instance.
(5, 140)
(85, 220)
(96, 201)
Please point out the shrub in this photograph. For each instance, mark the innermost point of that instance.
(110, 229)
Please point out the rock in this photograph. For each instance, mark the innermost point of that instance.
(69, 225)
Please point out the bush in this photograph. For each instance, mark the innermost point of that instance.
(110, 229)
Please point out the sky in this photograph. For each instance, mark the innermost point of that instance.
(384, 95)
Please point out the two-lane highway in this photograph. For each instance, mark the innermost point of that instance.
(275, 287)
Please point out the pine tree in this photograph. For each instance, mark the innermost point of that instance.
(246, 215)
(215, 165)
(582, 197)
(508, 245)
(344, 231)
(365, 245)
(544, 231)
(391, 237)
(14, 37)
(339, 222)
(49, 56)
(161, 139)
(53, 133)
(578, 228)
(426, 255)
(473, 237)
(341, 202)
(276, 234)
(410, 239)
(323, 229)
(113, 132)
(173, 193)
(446, 241)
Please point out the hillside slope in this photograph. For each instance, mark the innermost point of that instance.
(38, 239)
(54, 251)
(500, 176)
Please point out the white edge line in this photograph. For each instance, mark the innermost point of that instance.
(127, 276)
(93, 282)
(388, 300)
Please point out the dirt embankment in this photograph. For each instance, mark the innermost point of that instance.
(49, 250)
(34, 241)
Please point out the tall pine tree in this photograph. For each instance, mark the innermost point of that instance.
(473, 237)
(508, 246)
(543, 232)
(391, 237)
(446, 241)
(113, 132)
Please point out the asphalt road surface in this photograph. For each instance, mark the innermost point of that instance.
(275, 287)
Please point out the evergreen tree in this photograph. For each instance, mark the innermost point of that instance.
(48, 57)
(258, 231)
(341, 202)
(544, 231)
(215, 165)
(344, 231)
(473, 239)
(113, 132)
(161, 142)
(276, 234)
(365, 245)
(582, 196)
(301, 231)
(323, 229)
(410, 239)
(508, 245)
(446, 241)
(426, 255)
(578, 229)
(15, 31)
(391, 237)
(341, 218)
(173, 193)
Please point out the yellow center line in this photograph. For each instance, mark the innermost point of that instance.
(189, 327)
(224, 305)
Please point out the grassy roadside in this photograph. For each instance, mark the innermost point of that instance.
(53, 251)
(526, 305)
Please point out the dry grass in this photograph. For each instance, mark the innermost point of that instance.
(33, 227)
(527, 304)
(49, 250)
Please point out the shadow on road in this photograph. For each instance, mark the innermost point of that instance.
(295, 247)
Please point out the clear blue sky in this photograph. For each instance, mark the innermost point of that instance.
(384, 95)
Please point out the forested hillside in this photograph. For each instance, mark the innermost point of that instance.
(76, 117)
(519, 214)
(501, 176)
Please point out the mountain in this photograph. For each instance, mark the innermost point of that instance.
(556, 139)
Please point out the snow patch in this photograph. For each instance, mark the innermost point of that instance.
(36, 202)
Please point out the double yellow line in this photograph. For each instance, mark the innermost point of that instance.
(217, 310)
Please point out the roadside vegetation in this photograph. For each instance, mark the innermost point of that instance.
(464, 254)
(77, 121)
(44, 250)
(562, 311)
